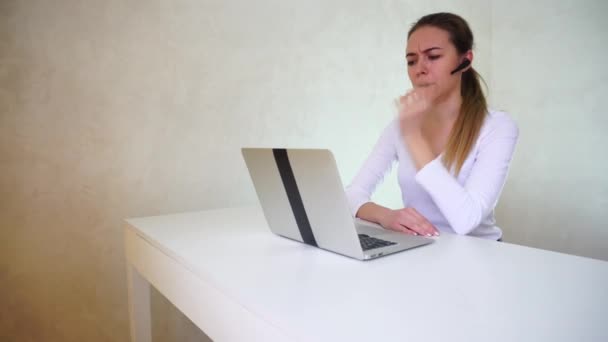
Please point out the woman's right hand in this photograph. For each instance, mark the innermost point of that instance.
(409, 221)
(413, 106)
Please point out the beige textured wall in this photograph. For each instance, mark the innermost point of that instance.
(119, 108)
(549, 70)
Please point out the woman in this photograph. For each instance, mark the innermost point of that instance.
(453, 152)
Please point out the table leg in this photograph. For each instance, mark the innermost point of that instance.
(139, 306)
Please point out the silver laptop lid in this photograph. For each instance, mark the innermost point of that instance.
(303, 198)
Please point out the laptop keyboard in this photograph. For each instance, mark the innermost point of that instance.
(368, 242)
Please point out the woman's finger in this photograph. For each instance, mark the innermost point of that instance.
(408, 220)
(408, 231)
(430, 229)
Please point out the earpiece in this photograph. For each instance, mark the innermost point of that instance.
(462, 65)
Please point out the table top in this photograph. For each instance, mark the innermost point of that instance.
(458, 288)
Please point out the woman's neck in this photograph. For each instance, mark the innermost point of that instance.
(439, 121)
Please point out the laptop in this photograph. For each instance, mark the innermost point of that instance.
(303, 199)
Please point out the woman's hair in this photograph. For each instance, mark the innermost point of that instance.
(474, 106)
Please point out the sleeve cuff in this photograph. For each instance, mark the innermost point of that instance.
(432, 174)
(356, 205)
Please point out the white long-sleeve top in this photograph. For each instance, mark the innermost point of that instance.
(463, 204)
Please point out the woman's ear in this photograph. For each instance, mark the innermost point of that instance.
(469, 55)
(465, 64)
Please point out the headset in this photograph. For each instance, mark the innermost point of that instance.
(462, 65)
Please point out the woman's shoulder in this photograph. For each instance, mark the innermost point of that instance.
(499, 122)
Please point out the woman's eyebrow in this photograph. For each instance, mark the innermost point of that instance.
(425, 51)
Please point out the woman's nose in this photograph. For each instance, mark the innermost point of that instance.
(421, 68)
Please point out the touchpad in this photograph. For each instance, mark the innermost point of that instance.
(369, 228)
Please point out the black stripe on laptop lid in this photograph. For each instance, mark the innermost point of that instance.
(293, 194)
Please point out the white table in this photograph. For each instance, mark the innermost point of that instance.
(238, 282)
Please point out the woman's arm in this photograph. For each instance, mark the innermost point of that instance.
(372, 172)
(464, 206)
(359, 192)
(373, 212)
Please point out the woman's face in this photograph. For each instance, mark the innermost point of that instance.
(431, 57)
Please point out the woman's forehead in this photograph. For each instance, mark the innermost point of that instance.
(427, 37)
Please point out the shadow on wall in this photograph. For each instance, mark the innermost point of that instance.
(548, 220)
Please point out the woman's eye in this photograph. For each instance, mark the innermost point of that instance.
(434, 57)
(410, 63)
